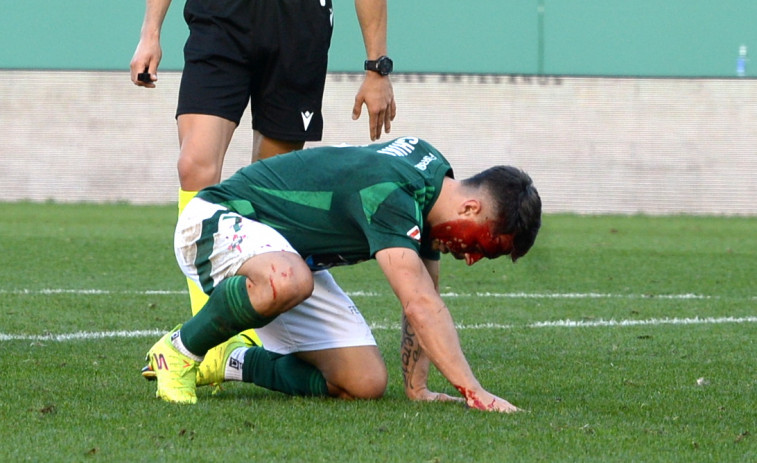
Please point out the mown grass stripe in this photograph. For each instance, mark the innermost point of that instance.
(517, 295)
(90, 335)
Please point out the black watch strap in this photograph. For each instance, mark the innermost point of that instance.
(383, 65)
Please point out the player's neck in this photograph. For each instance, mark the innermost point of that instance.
(445, 205)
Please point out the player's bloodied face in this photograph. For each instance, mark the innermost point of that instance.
(470, 241)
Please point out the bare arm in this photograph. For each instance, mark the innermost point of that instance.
(433, 328)
(415, 367)
(148, 53)
(376, 91)
(415, 362)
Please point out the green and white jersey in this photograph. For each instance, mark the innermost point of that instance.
(341, 204)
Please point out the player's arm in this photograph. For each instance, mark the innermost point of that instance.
(415, 367)
(415, 362)
(433, 327)
(148, 54)
(376, 91)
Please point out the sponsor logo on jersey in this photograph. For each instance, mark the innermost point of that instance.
(415, 233)
(236, 243)
(400, 147)
(306, 117)
(425, 161)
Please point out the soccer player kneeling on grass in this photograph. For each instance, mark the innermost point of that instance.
(257, 242)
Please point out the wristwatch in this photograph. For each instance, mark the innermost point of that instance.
(384, 65)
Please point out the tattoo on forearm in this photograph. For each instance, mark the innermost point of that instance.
(410, 352)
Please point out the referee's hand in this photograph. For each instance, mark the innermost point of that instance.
(377, 94)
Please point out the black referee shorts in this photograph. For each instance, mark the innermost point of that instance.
(271, 53)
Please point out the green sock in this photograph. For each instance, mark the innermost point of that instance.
(282, 373)
(227, 312)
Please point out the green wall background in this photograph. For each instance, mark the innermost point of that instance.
(665, 38)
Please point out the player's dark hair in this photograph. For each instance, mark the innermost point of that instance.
(517, 203)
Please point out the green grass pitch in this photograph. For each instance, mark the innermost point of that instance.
(626, 338)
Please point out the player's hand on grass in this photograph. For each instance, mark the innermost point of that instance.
(377, 94)
(429, 396)
(483, 400)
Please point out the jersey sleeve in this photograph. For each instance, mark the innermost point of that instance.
(396, 222)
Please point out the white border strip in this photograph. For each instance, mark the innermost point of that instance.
(86, 336)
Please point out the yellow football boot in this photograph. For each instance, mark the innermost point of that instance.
(176, 373)
(211, 371)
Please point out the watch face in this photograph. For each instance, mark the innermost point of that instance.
(385, 66)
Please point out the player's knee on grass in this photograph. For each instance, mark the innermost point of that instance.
(367, 381)
(371, 386)
(364, 387)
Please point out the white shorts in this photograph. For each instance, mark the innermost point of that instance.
(327, 319)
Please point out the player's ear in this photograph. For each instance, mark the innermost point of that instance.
(470, 207)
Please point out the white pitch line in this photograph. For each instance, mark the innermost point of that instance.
(85, 292)
(594, 323)
(89, 335)
(651, 321)
(82, 335)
